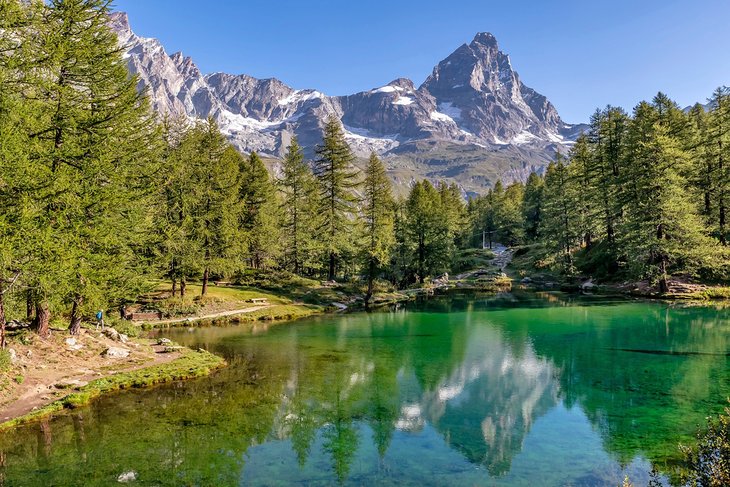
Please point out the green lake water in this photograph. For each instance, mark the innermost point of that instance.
(533, 390)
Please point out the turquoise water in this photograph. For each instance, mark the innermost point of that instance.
(507, 390)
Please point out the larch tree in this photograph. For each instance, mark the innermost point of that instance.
(298, 206)
(337, 180)
(94, 148)
(260, 212)
(215, 209)
(377, 213)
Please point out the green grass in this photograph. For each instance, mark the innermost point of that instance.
(190, 365)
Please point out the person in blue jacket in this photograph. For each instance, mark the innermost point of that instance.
(100, 319)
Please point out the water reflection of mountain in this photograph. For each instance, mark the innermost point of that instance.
(487, 405)
(482, 396)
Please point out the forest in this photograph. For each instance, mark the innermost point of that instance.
(99, 195)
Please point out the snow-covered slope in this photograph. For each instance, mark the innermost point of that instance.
(473, 102)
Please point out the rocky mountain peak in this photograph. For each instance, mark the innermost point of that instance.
(472, 111)
(119, 22)
(485, 39)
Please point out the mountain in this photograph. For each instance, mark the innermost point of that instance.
(472, 121)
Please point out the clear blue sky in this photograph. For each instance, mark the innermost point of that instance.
(581, 54)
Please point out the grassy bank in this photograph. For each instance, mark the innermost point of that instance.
(190, 364)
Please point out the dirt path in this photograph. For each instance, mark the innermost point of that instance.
(52, 368)
(191, 319)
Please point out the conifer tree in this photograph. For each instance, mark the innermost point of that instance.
(378, 219)
(215, 209)
(93, 147)
(532, 206)
(562, 213)
(260, 217)
(299, 209)
(662, 229)
(337, 182)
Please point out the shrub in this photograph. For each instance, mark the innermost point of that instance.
(708, 464)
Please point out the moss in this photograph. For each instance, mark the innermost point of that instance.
(190, 365)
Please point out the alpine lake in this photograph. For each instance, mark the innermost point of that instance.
(541, 389)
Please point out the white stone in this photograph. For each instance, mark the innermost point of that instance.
(116, 352)
(125, 477)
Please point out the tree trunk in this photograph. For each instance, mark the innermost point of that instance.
(183, 286)
(331, 273)
(174, 287)
(371, 276)
(28, 305)
(75, 324)
(663, 284)
(2, 316)
(421, 260)
(42, 319)
(206, 274)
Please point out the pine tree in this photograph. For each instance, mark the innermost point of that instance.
(562, 213)
(176, 246)
(93, 144)
(378, 219)
(260, 217)
(215, 209)
(299, 209)
(662, 230)
(337, 182)
(532, 206)
(719, 155)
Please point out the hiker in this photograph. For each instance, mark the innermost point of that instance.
(123, 311)
(100, 319)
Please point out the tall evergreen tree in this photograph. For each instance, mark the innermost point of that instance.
(299, 209)
(93, 145)
(337, 182)
(562, 213)
(215, 209)
(260, 218)
(378, 218)
(662, 230)
(532, 206)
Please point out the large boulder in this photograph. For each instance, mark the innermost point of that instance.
(116, 352)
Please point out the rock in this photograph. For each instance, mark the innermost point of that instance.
(111, 333)
(70, 341)
(123, 338)
(174, 348)
(28, 354)
(13, 354)
(126, 477)
(340, 306)
(164, 341)
(526, 280)
(588, 285)
(116, 352)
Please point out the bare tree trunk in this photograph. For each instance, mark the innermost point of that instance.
(663, 282)
(174, 287)
(206, 275)
(331, 273)
(41, 322)
(2, 316)
(75, 325)
(29, 305)
(183, 286)
(371, 276)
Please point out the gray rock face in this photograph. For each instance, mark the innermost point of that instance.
(473, 105)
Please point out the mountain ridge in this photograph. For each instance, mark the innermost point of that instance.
(471, 121)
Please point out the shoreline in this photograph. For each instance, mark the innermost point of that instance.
(189, 365)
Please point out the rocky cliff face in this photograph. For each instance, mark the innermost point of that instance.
(471, 121)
